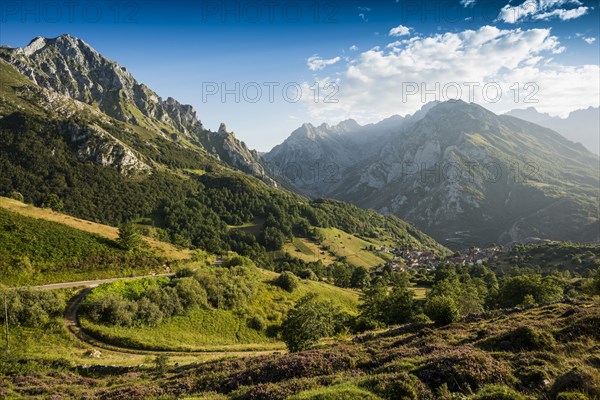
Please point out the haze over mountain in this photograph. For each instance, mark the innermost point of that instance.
(457, 171)
(582, 126)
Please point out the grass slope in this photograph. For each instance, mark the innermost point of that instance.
(537, 353)
(39, 246)
(224, 330)
(159, 248)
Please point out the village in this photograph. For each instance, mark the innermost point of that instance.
(404, 260)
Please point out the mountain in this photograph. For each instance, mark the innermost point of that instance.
(192, 187)
(582, 126)
(70, 67)
(467, 176)
(315, 158)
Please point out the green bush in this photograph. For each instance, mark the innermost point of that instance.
(190, 293)
(399, 386)
(442, 310)
(30, 307)
(337, 392)
(309, 321)
(287, 281)
(257, 323)
(528, 338)
(54, 202)
(17, 196)
(498, 392)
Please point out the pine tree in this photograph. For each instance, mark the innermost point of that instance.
(129, 236)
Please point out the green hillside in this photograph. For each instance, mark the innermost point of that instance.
(35, 251)
(216, 327)
(51, 146)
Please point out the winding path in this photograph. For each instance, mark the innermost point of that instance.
(74, 327)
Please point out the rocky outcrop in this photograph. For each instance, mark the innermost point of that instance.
(91, 143)
(224, 145)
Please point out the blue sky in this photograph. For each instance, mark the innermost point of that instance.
(182, 49)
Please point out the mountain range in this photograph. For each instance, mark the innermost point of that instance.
(459, 172)
(68, 66)
(80, 134)
(582, 126)
(467, 177)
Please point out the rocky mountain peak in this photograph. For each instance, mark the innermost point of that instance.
(71, 67)
(223, 130)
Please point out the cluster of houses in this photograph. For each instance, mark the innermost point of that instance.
(406, 259)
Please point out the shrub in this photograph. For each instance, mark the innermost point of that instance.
(498, 392)
(161, 364)
(463, 369)
(442, 310)
(54, 202)
(112, 309)
(527, 338)
(190, 293)
(257, 323)
(400, 386)
(287, 281)
(338, 392)
(583, 380)
(149, 313)
(17, 196)
(308, 274)
(30, 307)
(309, 321)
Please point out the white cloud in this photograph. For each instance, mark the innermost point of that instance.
(542, 10)
(468, 3)
(372, 86)
(563, 14)
(316, 63)
(589, 40)
(354, 48)
(400, 30)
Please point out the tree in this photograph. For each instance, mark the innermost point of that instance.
(191, 293)
(129, 236)
(287, 281)
(273, 238)
(360, 278)
(400, 305)
(442, 310)
(342, 274)
(373, 305)
(309, 321)
(54, 202)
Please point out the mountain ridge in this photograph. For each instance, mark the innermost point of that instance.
(581, 126)
(71, 67)
(61, 151)
(434, 171)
